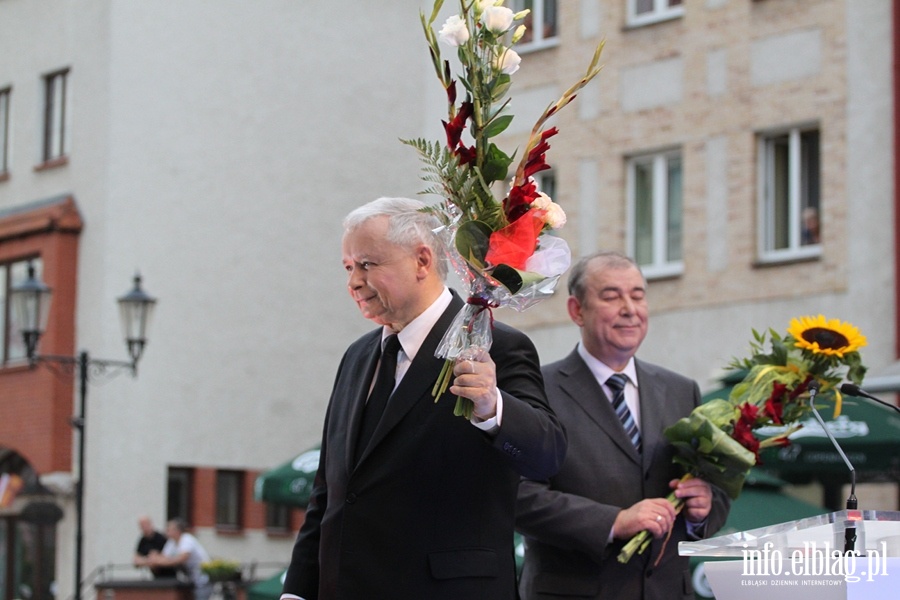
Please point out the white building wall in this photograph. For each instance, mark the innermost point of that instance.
(215, 147)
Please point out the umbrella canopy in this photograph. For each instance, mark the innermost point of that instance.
(267, 589)
(868, 433)
(290, 483)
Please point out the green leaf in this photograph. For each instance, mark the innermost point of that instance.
(514, 279)
(472, 241)
(500, 87)
(497, 126)
(496, 164)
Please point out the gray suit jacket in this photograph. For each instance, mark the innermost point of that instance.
(567, 519)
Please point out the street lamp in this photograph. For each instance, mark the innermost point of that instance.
(30, 301)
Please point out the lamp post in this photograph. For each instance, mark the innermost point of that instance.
(30, 301)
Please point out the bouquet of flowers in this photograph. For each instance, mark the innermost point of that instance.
(718, 443)
(501, 250)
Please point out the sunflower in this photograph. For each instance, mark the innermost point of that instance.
(832, 338)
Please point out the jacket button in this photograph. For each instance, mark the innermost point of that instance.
(351, 498)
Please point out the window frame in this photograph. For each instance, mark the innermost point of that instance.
(54, 146)
(766, 209)
(660, 266)
(13, 272)
(538, 12)
(662, 11)
(185, 477)
(229, 514)
(5, 103)
(278, 518)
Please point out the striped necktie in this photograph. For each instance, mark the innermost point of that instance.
(616, 383)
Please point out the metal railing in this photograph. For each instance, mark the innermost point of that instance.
(251, 572)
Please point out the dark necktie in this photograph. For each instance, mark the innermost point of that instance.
(616, 383)
(381, 391)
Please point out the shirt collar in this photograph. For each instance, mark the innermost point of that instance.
(413, 335)
(602, 372)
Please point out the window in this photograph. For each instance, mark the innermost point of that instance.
(179, 496)
(789, 190)
(546, 183)
(12, 346)
(278, 518)
(655, 213)
(55, 115)
(5, 95)
(644, 12)
(540, 22)
(229, 491)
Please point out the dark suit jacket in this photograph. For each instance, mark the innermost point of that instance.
(567, 519)
(428, 512)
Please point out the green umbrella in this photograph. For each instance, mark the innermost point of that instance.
(267, 589)
(290, 483)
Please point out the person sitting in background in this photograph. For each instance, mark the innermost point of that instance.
(151, 542)
(184, 551)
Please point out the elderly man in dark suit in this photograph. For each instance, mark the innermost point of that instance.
(419, 504)
(619, 467)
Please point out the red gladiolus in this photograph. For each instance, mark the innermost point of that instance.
(519, 200)
(774, 407)
(800, 388)
(743, 429)
(514, 244)
(451, 92)
(455, 128)
(466, 155)
(537, 158)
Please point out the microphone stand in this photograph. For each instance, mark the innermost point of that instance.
(849, 529)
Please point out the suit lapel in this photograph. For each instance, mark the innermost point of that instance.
(365, 373)
(581, 385)
(419, 378)
(654, 412)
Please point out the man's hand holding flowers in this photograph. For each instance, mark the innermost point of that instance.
(696, 495)
(657, 515)
(476, 380)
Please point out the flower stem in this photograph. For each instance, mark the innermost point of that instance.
(641, 541)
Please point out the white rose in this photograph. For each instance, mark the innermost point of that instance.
(508, 62)
(556, 216)
(497, 19)
(454, 32)
(542, 201)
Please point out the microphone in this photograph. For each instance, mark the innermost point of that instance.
(854, 390)
(849, 529)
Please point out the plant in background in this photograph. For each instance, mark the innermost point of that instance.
(501, 249)
(220, 569)
(718, 442)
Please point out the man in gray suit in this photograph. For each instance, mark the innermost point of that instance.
(618, 469)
